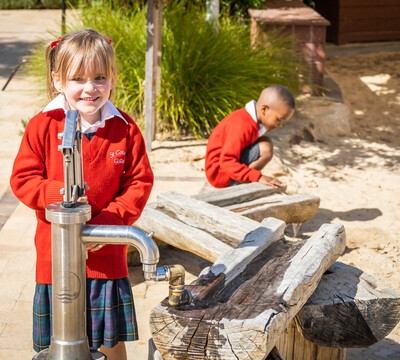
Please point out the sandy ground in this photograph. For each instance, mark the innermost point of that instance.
(352, 164)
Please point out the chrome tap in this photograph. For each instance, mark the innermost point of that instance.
(111, 234)
(69, 234)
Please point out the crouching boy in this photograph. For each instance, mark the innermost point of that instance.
(238, 149)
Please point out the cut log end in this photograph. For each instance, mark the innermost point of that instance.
(349, 309)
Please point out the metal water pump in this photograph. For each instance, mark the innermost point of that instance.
(69, 235)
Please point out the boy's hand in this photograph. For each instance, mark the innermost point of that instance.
(270, 181)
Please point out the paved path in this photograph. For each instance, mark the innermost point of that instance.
(19, 30)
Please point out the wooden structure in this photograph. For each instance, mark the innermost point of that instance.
(361, 20)
(153, 69)
(307, 27)
(224, 216)
(261, 295)
(246, 300)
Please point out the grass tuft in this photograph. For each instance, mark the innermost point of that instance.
(205, 73)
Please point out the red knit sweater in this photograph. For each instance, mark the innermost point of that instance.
(235, 132)
(116, 168)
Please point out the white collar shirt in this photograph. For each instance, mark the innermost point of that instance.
(108, 111)
(251, 109)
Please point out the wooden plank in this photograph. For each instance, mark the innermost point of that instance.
(180, 235)
(377, 12)
(245, 319)
(349, 309)
(368, 3)
(296, 208)
(213, 219)
(231, 263)
(370, 36)
(237, 194)
(366, 25)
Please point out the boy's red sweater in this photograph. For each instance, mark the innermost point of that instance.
(235, 132)
(116, 168)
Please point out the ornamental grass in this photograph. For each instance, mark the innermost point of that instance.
(206, 72)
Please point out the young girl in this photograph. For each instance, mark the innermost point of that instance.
(81, 75)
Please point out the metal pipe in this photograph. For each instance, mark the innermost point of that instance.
(69, 339)
(118, 235)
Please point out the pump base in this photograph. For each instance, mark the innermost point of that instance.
(95, 355)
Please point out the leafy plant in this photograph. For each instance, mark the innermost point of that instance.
(34, 4)
(127, 29)
(205, 74)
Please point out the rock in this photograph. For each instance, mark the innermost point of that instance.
(324, 120)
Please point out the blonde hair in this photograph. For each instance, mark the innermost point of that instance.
(80, 47)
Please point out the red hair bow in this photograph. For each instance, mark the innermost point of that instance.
(109, 40)
(55, 43)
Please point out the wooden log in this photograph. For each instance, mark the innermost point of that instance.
(237, 194)
(221, 223)
(180, 235)
(232, 263)
(349, 309)
(297, 208)
(244, 318)
(293, 346)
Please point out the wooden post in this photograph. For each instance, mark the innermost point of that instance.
(293, 346)
(212, 11)
(153, 69)
(63, 16)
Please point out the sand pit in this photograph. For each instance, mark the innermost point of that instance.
(355, 171)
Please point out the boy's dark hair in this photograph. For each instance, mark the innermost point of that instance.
(285, 95)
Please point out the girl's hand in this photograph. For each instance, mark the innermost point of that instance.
(94, 247)
(84, 198)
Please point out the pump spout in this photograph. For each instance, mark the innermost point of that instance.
(126, 235)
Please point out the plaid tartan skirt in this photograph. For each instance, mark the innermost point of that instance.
(110, 313)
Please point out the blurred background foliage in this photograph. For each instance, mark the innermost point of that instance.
(205, 73)
(34, 4)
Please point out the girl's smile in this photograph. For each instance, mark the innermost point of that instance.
(90, 99)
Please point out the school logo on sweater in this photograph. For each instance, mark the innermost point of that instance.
(118, 156)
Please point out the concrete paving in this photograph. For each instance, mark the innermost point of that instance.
(19, 31)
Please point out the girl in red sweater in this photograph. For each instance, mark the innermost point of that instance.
(81, 76)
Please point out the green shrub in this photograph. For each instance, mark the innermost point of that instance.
(235, 7)
(208, 74)
(35, 4)
(127, 29)
(205, 74)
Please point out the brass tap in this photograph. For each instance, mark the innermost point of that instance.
(175, 274)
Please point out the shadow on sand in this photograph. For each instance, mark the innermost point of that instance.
(323, 216)
(385, 349)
